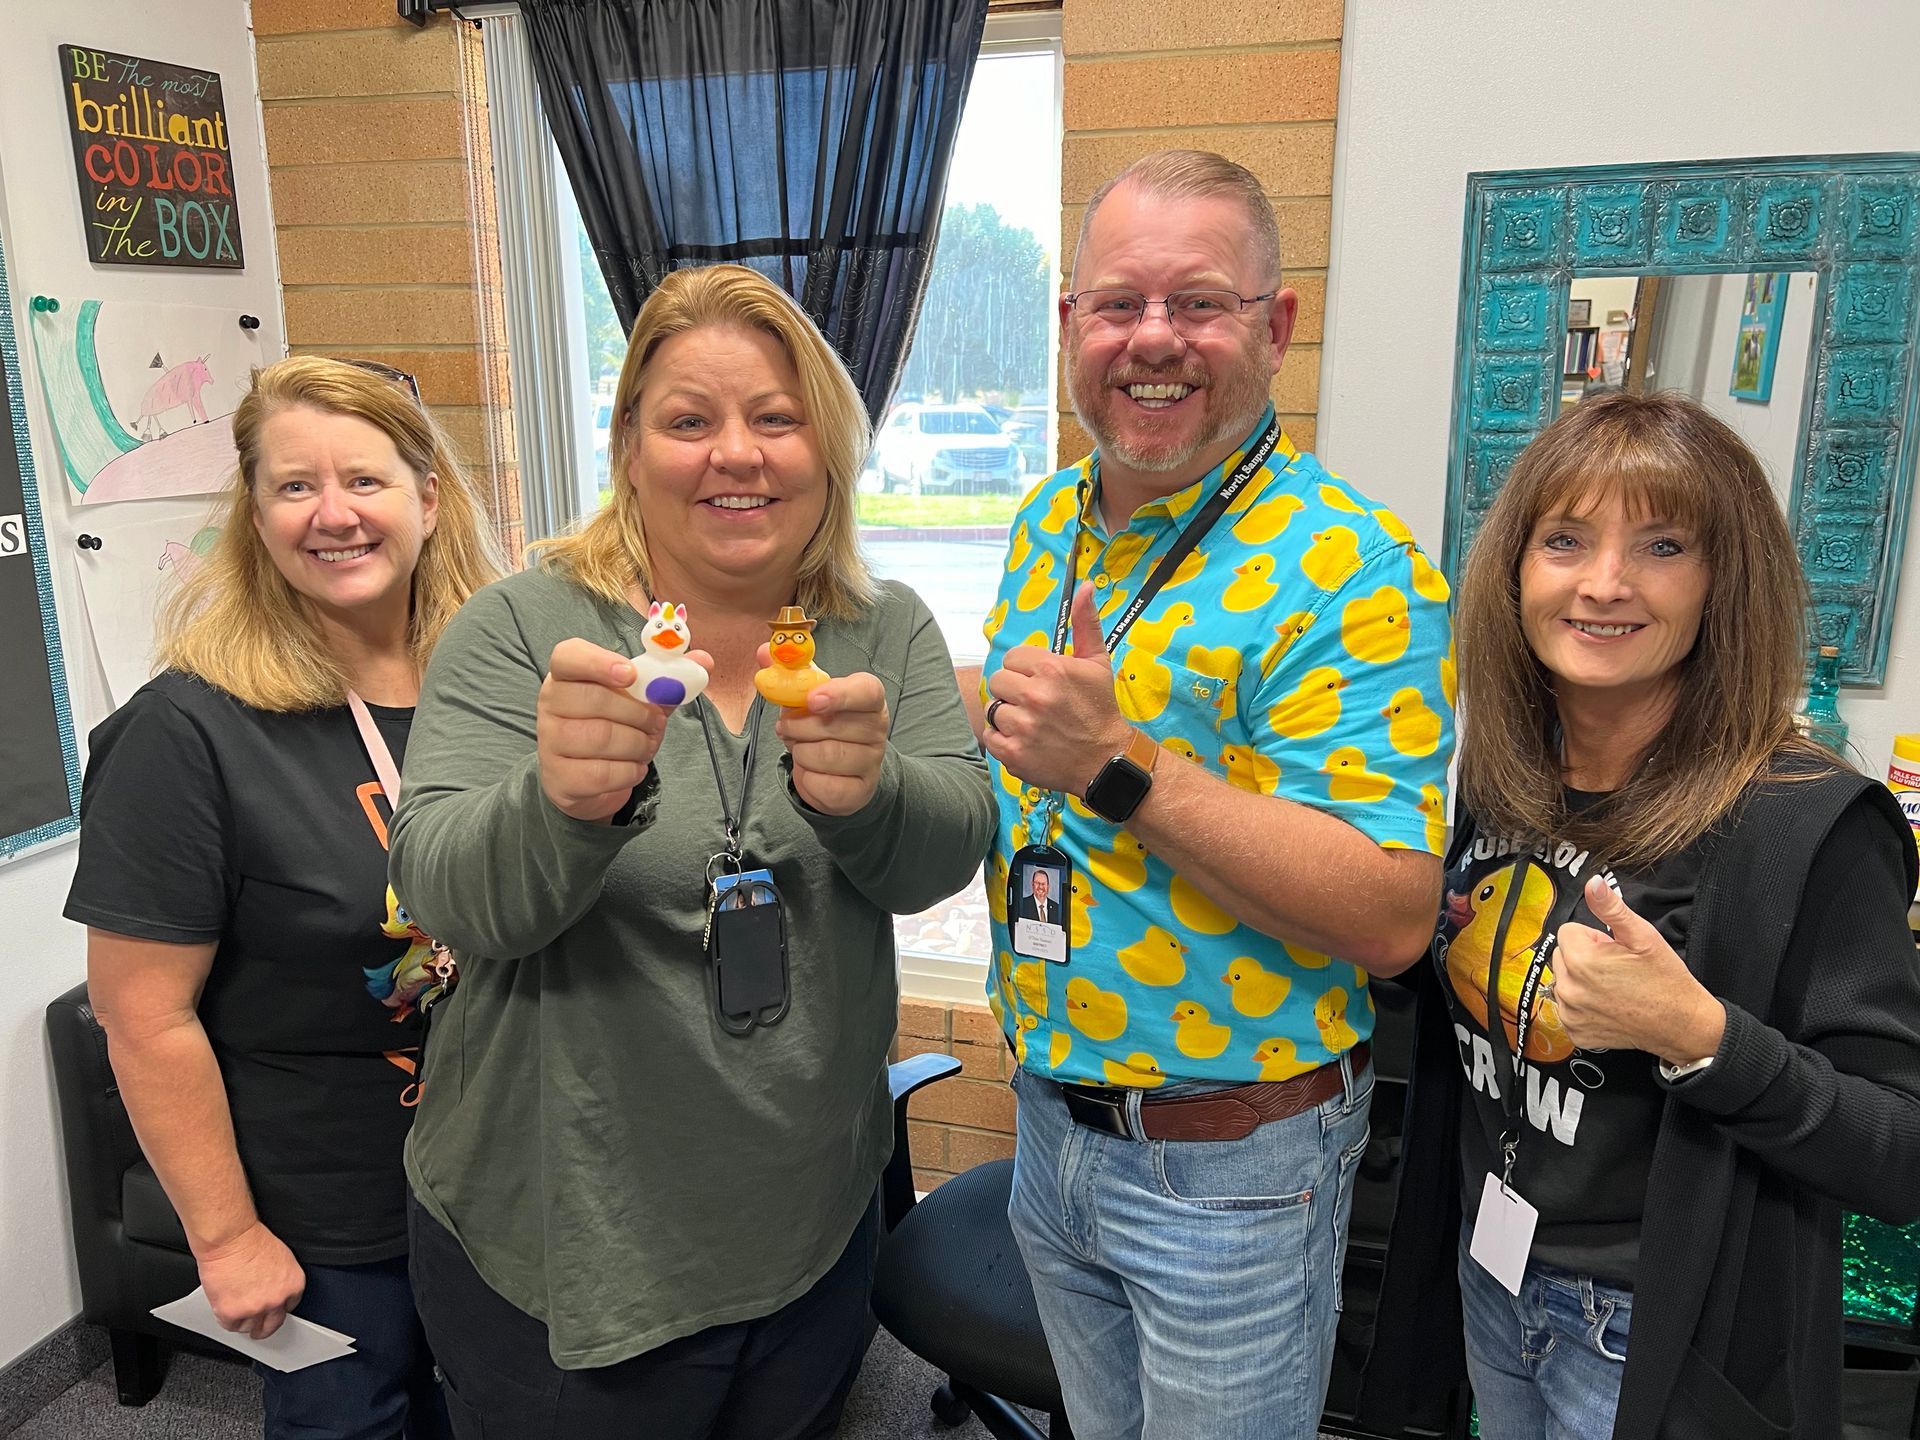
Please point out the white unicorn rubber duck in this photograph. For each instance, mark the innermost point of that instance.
(665, 676)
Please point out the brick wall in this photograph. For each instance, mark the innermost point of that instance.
(958, 1123)
(1255, 80)
(367, 151)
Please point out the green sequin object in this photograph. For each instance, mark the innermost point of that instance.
(1880, 1272)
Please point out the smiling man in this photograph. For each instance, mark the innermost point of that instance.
(1243, 763)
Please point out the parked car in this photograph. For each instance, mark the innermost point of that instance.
(1030, 430)
(957, 449)
(602, 427)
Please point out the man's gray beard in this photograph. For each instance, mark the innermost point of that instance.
(1236, 422)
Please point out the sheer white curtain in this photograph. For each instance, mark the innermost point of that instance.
(540, 290)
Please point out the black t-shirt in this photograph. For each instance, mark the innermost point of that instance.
(1588, 1119)
(204, 820)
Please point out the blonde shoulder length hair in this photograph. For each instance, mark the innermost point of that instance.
(1663, 456)
(237, 624)
(610, 552)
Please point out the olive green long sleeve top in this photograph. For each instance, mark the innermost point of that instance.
(614, 1162)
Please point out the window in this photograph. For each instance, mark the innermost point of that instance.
(972, 426)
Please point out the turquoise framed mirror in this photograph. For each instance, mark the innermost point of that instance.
(1818, 252)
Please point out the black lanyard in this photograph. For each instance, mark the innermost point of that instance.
(1195, 531)
(1510, 1065)
(736, 822)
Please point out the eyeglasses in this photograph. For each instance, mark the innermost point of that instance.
(387, 372)
(1188, 311)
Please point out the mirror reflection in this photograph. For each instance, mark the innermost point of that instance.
(1738, 343)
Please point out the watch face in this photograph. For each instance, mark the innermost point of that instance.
(1116, 792)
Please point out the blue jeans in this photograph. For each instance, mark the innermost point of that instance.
(1546, 1363)
(1188, 1288)
(385, 1388)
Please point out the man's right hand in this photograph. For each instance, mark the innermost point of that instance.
(595, 740)
(252, 1281)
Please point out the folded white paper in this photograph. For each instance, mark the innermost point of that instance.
(294, 1346)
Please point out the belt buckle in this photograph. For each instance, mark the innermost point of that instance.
(1098, 1109)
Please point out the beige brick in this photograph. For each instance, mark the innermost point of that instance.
(1071, 441)
(928, 1181)
(338, 133)
(392, 61)
(1311, 313)
(1093, 27)
(449, 377)
(968, 1148)
(413, 255)
(975, 1025)
(1301, 429)
(1247, 88)
(466, 428)
(1296, 389)
(334, 318)
(927, 1144)
(294, 17)
(1287, 159)
(975, 1103)
(369, 194)
(1306, 227)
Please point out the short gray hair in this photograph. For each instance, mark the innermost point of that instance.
(1197, 175)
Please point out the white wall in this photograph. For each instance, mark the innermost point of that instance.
(46, 253)
(1697, 340)
(1434, 90)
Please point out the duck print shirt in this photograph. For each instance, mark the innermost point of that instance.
(1302, 650)
(1588, 1118)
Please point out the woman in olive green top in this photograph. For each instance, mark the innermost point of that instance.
(644, 1179)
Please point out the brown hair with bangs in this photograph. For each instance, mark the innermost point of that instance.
(1665, 456)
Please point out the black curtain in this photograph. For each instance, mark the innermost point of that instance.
(808, 139)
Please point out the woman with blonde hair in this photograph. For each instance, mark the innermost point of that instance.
(1672, 1023)
(259, 985)
(645, 1171)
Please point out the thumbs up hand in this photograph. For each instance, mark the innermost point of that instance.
(1628, 990)
(1054, 719)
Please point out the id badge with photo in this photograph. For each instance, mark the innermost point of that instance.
(1039, 891)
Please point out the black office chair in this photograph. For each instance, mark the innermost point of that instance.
(952, 1288)
(131, 1247)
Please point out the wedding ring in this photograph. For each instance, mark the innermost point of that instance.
(993, 706)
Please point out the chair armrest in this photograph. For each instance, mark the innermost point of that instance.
(908, 1075)
(904, 1077)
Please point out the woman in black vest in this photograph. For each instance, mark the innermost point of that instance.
(1671, 1024)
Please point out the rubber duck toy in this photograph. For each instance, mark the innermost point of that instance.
(664, 673)
(793, 676)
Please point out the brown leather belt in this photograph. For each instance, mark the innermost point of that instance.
(1231, 1114)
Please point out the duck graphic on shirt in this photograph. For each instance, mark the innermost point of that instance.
(1476, 914)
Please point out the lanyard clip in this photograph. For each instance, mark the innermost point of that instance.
(1509, 1146)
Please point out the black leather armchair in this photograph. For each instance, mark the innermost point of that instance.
(130, 1245)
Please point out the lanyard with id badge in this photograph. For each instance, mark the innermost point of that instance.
(1034, 938)
(1503, 1228)
(745, 936)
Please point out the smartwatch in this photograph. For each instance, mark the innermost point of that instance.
(1119, 786)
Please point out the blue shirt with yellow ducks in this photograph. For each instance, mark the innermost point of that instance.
(1302, 650)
